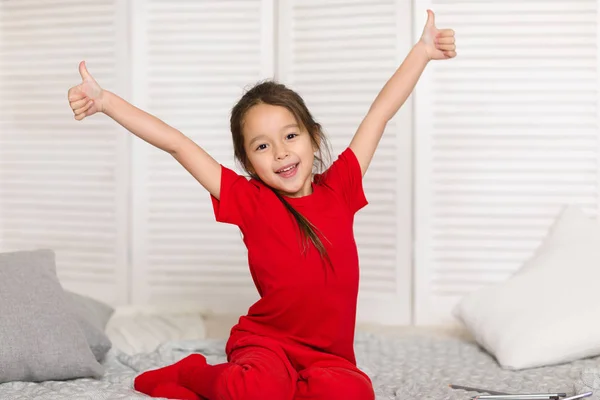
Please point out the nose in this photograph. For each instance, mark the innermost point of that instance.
(281, 153)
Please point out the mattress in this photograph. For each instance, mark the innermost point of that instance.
(411, 365)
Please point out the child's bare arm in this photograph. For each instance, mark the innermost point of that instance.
(89, 98)
(434, 45)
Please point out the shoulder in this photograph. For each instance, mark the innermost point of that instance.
(231, 181)
(239, 198)
(346, 163)
(344, 179)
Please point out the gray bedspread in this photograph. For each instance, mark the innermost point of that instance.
(404, 367)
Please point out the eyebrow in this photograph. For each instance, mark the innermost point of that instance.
(255, 139)
(264, 136)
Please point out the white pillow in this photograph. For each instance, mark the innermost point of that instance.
(141, 329)
(549, 311)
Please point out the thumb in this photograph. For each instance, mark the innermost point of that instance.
(83, 71)
(430, 19)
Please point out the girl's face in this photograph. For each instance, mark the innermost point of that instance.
(279, 150)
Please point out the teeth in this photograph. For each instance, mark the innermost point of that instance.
(287, 169)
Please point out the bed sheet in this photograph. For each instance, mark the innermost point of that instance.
(402, 367)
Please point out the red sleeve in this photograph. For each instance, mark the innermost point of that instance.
(237, 199)
(345, 178)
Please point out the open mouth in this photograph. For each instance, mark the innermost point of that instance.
(288, 171)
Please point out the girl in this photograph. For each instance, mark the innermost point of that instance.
(296, 342)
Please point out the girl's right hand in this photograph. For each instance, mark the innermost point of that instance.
(86, 98)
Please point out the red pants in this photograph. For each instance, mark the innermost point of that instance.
(261, 368)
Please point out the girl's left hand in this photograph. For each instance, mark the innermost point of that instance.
(439, 43)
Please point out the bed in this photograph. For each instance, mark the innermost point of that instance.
(403, 363)
(528, 319)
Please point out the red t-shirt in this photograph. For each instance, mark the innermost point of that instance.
(303, 298)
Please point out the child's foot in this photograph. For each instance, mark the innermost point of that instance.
(149, 380)
(174, 391)
(202, 380)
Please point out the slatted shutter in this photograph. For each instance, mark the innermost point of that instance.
(506, 133)
(63, 182)
(337, 55)
(191, 62)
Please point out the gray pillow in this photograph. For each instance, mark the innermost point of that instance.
(92, 317)
(40, 339)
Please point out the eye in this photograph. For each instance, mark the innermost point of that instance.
(261, 147)
(291, 135)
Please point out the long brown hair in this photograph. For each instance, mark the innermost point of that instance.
(277, 94)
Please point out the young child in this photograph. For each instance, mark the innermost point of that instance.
(296, 342)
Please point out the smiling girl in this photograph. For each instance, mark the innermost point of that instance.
(296, 341)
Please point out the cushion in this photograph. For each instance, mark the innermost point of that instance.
(141, 329)
(92, 317)
(40, 339)
(547, 312)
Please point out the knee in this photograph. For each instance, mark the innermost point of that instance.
(339, 383)
(353, 386)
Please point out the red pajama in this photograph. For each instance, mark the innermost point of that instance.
(260, 368)
(296, 342)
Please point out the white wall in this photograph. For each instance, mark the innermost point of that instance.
(477, 166)
(187, 63)
(63, 185)
(506, 135)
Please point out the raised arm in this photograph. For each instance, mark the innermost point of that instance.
(89, 98)
(434, 44)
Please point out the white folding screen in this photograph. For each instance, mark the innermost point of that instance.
(338, 55)
(191, 63)
(505, 134)
(63, 184)
(128, 223)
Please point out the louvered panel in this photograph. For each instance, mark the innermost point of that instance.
(506, 134)
(195, 59)
(62, 183)
(337, 56)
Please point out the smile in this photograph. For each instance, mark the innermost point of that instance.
(288, 171)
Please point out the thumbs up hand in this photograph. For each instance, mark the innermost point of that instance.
(439, 43)
(86, 98)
